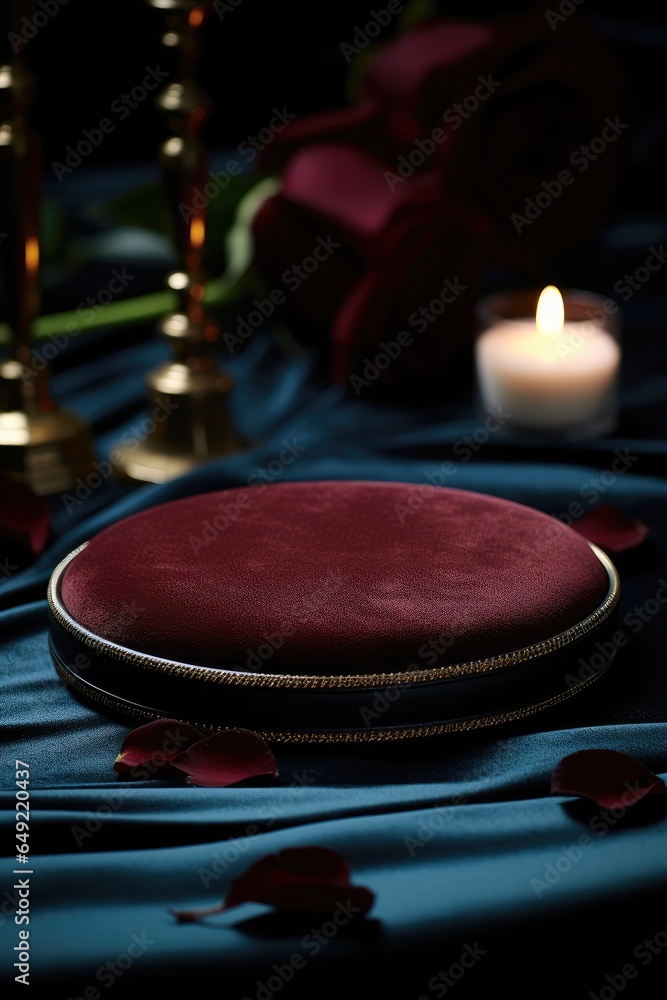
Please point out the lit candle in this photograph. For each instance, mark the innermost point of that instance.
(548, 373)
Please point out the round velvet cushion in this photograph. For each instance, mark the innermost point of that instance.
(333, 577)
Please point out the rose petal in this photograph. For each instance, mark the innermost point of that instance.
(300, 878)
(419, 73)
(355, 126)
(425, 255)
(226, 758)
(347, 189)
(293, 866)
(611, 528)
(283, 236)
(610, 778)
(24, 517)
(307, 879)
(156, 744)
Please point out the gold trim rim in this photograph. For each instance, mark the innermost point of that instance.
(223, 675)
(343, 736)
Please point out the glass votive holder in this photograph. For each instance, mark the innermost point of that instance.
(560, 382)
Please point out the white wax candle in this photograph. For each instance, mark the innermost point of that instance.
(548, 380)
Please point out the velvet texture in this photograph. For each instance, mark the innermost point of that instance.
(448, 836)
(336, 577)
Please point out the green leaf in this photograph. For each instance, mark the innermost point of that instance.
(143, 308)
(239, 242)
(144, 208)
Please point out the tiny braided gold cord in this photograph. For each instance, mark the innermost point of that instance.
(343, 736)
(219, 675)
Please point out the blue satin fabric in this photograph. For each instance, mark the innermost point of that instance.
(455, 837)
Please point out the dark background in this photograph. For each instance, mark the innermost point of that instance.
(262, 55)
(275, 54)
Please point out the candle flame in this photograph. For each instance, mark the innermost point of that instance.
(32, 254)
(178, 280)
(197, 232)
(550, 313)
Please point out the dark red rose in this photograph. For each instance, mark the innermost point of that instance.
(464, 130)
(552, 137)
(384, 253)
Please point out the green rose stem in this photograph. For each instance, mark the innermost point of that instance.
(144, 308)
(140, 309)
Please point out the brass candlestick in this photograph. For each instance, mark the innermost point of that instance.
(189, 393)
(45, 446)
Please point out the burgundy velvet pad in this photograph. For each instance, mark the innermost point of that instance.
(335, 577)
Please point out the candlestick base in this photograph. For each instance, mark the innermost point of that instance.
(189, 424)
(44, 446)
